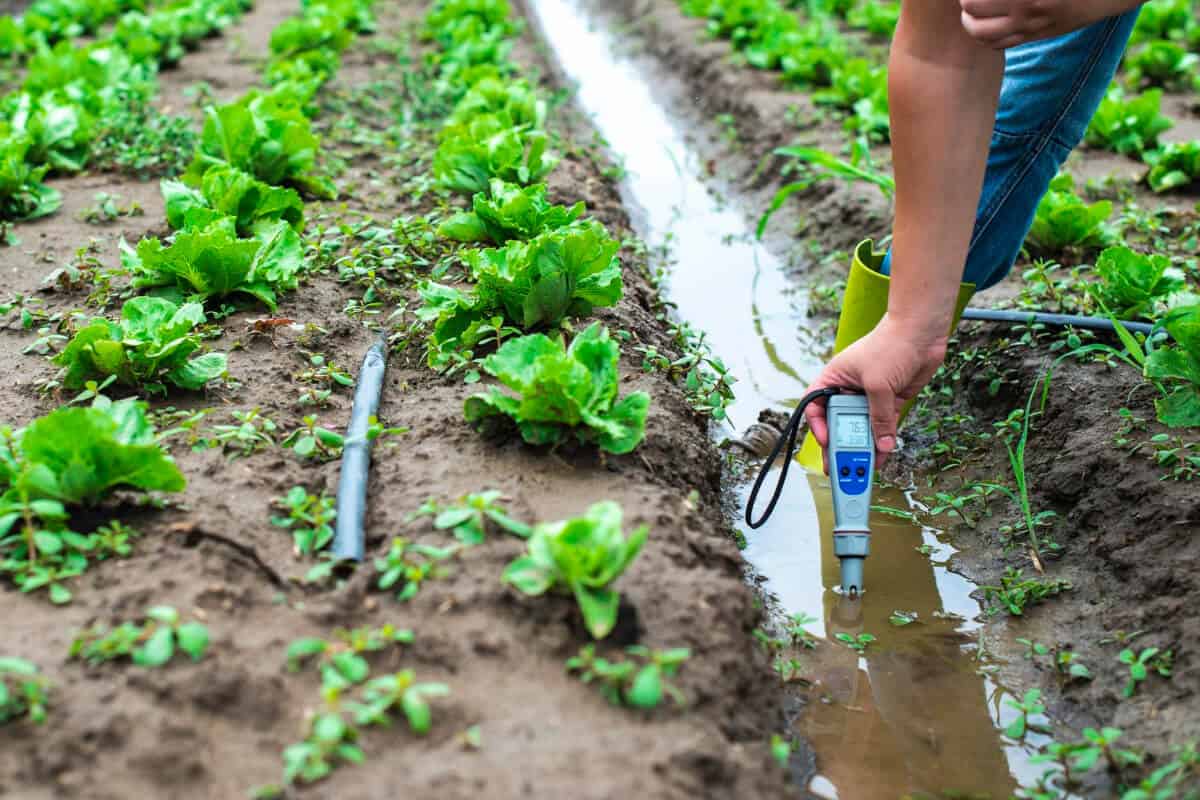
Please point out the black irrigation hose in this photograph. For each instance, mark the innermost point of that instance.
(349, 536)
(1060, 320)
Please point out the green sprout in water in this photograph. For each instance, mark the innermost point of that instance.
(857, 643)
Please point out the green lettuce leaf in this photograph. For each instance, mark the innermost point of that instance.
(1064, 220)
(1131, 283)
(509, 212)
(1178, 366)
(562, 392)
(229, 192)
(490, 146)
(22, 193)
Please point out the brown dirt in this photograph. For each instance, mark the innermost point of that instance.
(1131, 548)
(216, 728)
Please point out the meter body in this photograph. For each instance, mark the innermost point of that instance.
(851, 469)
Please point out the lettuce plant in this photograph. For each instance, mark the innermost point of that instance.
(509, 212)
(490, 146)
(1178, 367)
(1064, 220)
(229, 192)
(58, 128)
(583, 556)
(1131, 283)
(22, 193)
(493, 95)
(1128, 125)
(212, 262)
(563, 392)
(1174, 166)
(1162, 63)
(264, 137)
(155, 343)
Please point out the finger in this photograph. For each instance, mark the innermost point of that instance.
(990, 29)
(884, 418)
(818, 423)
(987, 8)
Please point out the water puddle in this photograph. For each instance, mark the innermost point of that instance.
(917, 714)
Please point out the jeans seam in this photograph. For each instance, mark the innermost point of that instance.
(1043, 138)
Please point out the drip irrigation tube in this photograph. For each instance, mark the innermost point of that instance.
(1060, 320)
(349, 536)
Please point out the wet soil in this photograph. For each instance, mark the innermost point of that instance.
(1131, 551)
(216, 728)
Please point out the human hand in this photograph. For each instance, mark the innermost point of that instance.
(891, 365)
(1007, 23)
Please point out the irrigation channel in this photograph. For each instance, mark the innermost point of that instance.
(919, 713)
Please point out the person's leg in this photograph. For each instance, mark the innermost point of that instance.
(1051, 90)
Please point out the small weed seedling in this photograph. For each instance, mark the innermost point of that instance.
(1070, 668)
(857, 643)
(789, 669)
(1027, 708)
(796, 629)
(1101, 744)
(105, 209)
(330, 741)
(781, 750)
(340, 660)
(627, 683)
(324, 372)
(1140, 664)
(321, 444)
(309, 518)
(408, 565)
(1033, 648)
(467, 517)
(382, 697)
(252, 432)
(151, 644)
(1016, 592)
(24, 691)
(902, 619)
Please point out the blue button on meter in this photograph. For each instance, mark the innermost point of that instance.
(853, 471)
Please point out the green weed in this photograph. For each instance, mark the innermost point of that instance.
(150, 644)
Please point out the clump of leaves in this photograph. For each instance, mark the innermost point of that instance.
(468, 517)
(22, 193)
(330, 740)
(1064, 220)
(407, 565)
(250, 432)
(1140, 664)
(490, 146)
(321, 444)
(1162, 63)
(229, 192)
(564, 392)
(150, 644)
(383, 697)
(1016, 592)
(24, 691)
(1128, 125)
(340, 660)
(1132, 284)
(309, 518)
(1029, 709)
(1177, 366)
(1174, 166)
(154, 344)
(856, 642)
(508, 212)
(796, 628)
(213, 263)
(583, 556)
(640, 681)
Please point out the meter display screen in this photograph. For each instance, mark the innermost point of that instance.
(852, 432)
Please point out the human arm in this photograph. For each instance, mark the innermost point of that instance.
(1007, 23)
(943, 89)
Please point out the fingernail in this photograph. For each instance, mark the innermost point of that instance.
(886, 444)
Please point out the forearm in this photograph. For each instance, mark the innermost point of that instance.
(944, 87)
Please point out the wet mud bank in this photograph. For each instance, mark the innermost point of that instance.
(216, 728)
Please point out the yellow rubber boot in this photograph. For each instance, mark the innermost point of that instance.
(864, 304)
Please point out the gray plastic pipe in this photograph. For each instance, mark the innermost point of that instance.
(1060, 320)
(349, 536)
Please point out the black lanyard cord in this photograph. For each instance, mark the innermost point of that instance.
(788, 437)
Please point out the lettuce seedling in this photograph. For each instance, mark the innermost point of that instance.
(24, 691)
(1064, 220)
(1175, 166)
(22, 193)
(490, 146)
(1128, 125)
(212, 262)
(564, 392)
(509, 212)
(151, 644)
(229, 192)
(583, 556)
(155, 343)
(1132, 284)
(1178, 368)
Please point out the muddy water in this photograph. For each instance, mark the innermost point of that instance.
(917, 714)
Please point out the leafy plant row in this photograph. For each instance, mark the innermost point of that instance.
(53, 121)
(46, 22)
(237, 234)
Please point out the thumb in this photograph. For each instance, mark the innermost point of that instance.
(884, 418)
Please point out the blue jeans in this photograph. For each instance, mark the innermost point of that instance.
(1051, 90)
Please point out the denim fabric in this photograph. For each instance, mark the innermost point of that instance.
(1051, 90)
